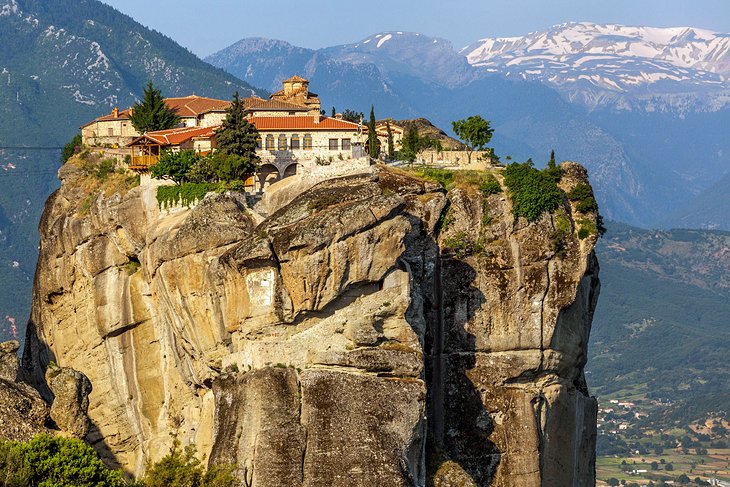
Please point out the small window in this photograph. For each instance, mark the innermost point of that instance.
(269, 142)
(282, 142)
(295, 142)
(292, 114)
(307, 141)
(110, 131)
(334, 144)
(345, 144)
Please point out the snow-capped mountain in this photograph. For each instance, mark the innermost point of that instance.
(678, 68)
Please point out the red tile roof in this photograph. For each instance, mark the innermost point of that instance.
(123, 115)
(175, 136)
(192, 106)
(301, 123)
(254, 103)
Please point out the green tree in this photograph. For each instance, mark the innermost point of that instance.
(175, 165)
(351, 115)
(70, 148)
(654, 466)
(373, 142)
(474, 131)
(669, 467)
(532, 192)
(53, 461)
(236, 137)
(413, 143)
(334, 112)
(391, 145)
(153, 113)
(613, 482)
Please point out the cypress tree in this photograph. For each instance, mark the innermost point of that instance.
(334, 112)
(153, 113)
(372, 135)
(237, 137)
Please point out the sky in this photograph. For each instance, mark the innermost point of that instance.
(208, 26)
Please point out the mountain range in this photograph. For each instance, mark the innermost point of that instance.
(650, 157)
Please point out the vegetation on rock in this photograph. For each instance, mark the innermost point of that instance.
(180, 468)
(53, 461)
(238, 137)
(533, 192)
(71, 148)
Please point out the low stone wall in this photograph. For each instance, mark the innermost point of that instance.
(453, 158)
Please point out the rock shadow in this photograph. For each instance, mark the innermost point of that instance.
(461, 426)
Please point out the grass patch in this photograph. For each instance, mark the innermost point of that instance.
(462, 246)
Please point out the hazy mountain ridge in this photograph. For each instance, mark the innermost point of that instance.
(654, 69)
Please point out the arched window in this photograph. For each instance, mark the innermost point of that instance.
(269, 142)
(294, 142)
(282, 142)
(307, 141)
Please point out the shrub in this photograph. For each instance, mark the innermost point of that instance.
(71, 148)
(583, 195)
(202, 171)
(533, 192)
(181, 468)
(175, 165)
(587, 228)
(53, 461)
(462, 246)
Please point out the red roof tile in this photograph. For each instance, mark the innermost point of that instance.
(192, 106)
(301, 123)
(175, 136)
(254, 103)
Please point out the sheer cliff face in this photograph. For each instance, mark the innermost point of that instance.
(336, 341)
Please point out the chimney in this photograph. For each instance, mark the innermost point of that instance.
(115, 112)
(316, 119)
(338, 116)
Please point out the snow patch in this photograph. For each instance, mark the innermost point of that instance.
(385, 39)
(365, 42)
(10, 8)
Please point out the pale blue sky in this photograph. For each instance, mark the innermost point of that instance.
(207, 26)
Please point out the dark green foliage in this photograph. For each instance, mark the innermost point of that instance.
(53, 461)
(238, 137)
(463, 246)
(489, 185)
(583, 194)
(533, 192)
(474, 131)
(71, 148)
(180, 468)
(352, 116)
(334, 112)
(391, 146)
(152, 113)
(373, 142)
(175, 165)
(412, 143)
(183, 194)
(231, 167)
(202, 171)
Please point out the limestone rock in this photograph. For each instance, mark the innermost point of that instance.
(339, 340)
(71, 391)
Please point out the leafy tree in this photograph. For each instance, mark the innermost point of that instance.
(202, 171)
(53, 461)
(230, 167)
(613, 482)
(669, 467)
(351, 115)
(71, 148)
(474, 131)
(175, 165)
(654, 466)
(153, 113)
(373, 142)
(683, 479)
(181, 468)
(391, 146)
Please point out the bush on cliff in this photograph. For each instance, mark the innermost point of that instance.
(53, 461)
(533, 192)
(180, 468)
